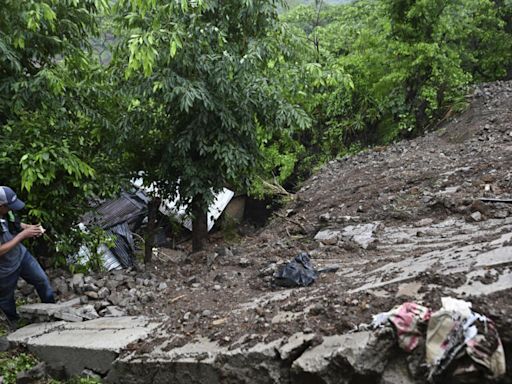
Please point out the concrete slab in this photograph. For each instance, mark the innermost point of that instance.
(454, 257)
(24, 334)
(90, 345)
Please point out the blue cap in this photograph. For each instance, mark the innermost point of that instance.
(8, 197)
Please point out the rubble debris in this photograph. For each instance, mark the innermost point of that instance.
(457, 340)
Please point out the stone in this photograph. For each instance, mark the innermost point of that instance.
(103, 293)
(328, 236)
(361, 234)
(244, 262)
(33, 375)
(501, 214)
(424, 222)
(409, 289)
(77, 280)
(92, 295)
(324, 217)
(113, 311)
(296, 345)
(342, 358)
(4, 344)
(90, 374)
(114, 298)
(90, 287)
(162, 286)
(45, 310)
(476, 216)
(87, 312)
(67, 316)
(396, 372)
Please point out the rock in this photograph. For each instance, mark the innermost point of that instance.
(68, 316)
(90, 287)
(268, 270)
(324, 217)
(87, 312)
(113, 311)
(162, 286)
(77, 282)
(4, 344)
(26, 290)
(206, 313)
(244, 262)
(328, 236)
(396, 372)
(114, 298)
(501, 214)
(92, 295)
(34, 375)
(424, 222)
(476, 216)
(362, 234)
(103, 293)
(216, 287)
(90, 374)
(296, 345)
(348, 358)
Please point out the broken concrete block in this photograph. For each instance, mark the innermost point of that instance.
(90, 345)
(396, 372)
(328, 236)
(361, 234)
(296, 345)
(67, 316)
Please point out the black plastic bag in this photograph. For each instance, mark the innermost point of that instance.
(297, 273)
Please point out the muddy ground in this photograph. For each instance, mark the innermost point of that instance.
(227, 293)
(400, 223)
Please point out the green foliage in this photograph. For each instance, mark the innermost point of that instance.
(57, 110)
(400, 66)
(195, 74)
(11, 364)
(85, 246)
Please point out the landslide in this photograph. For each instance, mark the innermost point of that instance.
(227, 293)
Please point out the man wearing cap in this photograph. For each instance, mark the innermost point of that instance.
(16, 260)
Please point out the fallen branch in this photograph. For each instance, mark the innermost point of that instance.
(291, 221)
(493, 200)
(177, 298)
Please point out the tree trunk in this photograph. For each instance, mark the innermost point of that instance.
(149, 241)
(199, 225)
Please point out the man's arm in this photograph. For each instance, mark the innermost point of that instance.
(27, 233)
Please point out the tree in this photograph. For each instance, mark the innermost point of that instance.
(199, 95)
(55, 107)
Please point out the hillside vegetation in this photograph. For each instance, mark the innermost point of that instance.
(199, 96)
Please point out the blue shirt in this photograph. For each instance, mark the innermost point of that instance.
(11, 260)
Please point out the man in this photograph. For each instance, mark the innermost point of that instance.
(16, 260)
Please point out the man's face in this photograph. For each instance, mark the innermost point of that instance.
(4, 209)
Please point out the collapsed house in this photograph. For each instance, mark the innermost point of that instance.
(123, 216)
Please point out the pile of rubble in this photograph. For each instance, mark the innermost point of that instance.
(118, 293)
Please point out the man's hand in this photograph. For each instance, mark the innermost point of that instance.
(31, 231)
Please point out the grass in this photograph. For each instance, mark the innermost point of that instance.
(14, 362)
